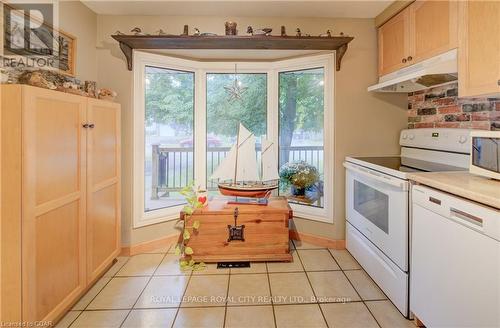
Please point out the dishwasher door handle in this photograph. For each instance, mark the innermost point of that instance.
(469, 219)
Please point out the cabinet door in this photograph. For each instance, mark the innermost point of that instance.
(393, 43)
(479, 48)
(103, 185)
(433, 28)
(53, 197)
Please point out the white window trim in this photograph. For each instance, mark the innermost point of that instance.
(200, 69)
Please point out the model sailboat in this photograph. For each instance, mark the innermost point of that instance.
(237, 173)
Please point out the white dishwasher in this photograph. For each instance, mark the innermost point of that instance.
(455, 261)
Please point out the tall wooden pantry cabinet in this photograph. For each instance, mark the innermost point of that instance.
(60, 192)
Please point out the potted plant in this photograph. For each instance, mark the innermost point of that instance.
(299, 176)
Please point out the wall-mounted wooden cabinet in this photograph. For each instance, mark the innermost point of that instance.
(424, 29)
(60, 216)
(479, 48)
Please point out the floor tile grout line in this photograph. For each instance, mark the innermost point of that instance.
(93, 298)
(271, 293)
(183, 294)
(227, 295)
(312, 288)
(359, 295)
(145, 286)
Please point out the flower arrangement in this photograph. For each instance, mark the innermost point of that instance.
(300, 175)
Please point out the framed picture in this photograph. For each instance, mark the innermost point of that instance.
(53, 48)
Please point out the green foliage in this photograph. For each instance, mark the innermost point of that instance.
(224, 116)
(170, 99)
(186, 261)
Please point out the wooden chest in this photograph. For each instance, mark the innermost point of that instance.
(260, 233)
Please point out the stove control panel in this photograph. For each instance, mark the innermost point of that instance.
(454, 140)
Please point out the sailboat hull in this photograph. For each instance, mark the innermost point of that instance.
(259, 191)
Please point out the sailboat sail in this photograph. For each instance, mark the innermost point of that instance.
(269, 163)
(225, 171)
(246, 168)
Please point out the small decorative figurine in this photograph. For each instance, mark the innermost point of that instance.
(283, 30)
(196, 32)
(137, 31)
(91, 88)
(231, 28)
(328, 34)
(160, 32)
(106, 94)
(119, 33)
(299, 33)
(186, 30)
(262, 31)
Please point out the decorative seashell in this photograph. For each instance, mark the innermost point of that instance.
(261, 31)
(137, 31)
(196, 32)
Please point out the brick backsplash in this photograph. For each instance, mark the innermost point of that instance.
(440, 107)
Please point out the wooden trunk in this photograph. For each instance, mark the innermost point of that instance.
(265, 232)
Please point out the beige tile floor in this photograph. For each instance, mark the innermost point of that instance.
(320, 288)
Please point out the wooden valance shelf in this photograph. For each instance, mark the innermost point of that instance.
(130, 42)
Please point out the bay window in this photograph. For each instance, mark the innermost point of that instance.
(185, 121)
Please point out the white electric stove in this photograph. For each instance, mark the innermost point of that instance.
(378, 205)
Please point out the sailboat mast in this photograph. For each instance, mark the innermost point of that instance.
(237, 151)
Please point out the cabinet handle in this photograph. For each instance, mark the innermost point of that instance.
(410, 58)
(85, 125)
(91, 125)
(404, 60)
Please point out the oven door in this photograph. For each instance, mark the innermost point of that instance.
(377, 205)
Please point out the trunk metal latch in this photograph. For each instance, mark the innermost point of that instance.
(236, 232)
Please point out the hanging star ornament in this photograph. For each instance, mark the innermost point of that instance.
(235, 91)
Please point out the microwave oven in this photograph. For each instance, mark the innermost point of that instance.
(485, 154)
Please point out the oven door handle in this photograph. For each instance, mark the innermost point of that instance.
(400, 184)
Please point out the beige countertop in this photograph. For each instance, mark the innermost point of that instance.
(463, 184)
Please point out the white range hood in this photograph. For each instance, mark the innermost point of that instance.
(438, 70)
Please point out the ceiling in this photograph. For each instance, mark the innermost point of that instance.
(241, 8)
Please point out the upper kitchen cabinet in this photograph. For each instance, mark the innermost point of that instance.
(433, 28)
(479, 48)
(422, 30)
(394, 43)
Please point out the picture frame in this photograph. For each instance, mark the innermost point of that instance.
(62, 57)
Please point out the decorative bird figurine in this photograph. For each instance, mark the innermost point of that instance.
(161, 32)
(137, 31)
(261, 31)
(299, 32)
(328, 34)
(196, 31)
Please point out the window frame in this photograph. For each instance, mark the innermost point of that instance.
(201, 69)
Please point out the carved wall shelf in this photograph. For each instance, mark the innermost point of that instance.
(130, 42)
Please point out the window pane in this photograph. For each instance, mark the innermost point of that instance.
(225, 114)
(301, 116)
(168, 135)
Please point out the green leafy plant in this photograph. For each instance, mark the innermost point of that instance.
(182, 249)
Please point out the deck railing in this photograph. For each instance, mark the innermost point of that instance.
(172, 168)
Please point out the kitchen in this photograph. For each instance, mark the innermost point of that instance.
(403, 213)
